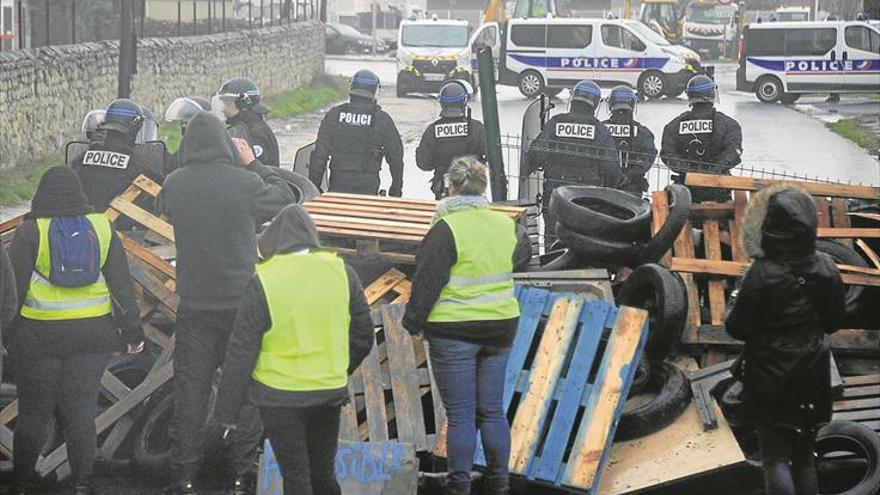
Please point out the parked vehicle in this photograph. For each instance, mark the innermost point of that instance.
(792, 14)
(430, 52)
(708, 27)
(780, 61)
(342, 38)
(548, 55)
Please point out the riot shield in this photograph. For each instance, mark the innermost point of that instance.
(152, 155)
(532, 123)
(301, 164)
(73, 151)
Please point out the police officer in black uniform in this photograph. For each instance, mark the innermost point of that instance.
(635, 143)
(574, 148)
(453, 135)
(355, 137)
(702, 140)
(182, 110)
(113, 160)
(240, 102)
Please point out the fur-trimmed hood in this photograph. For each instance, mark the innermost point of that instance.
(781, 219)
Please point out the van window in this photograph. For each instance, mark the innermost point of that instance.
(810, 42)
(528, 35)
(569, 36)
(862, 38)
(766, 42)
(618, 37)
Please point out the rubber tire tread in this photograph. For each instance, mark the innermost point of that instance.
(640, 380)
(869, 440)
(566, 259)
(843, 254)
(588, 221)
(595, 251)
(662, 241)
(662, 294)
(302, 188)
(662, 410)
(161, 408)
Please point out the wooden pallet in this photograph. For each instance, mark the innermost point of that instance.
(860, 401)
(569, 389)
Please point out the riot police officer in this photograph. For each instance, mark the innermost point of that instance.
(635, 143)
(240, 102)
(702, 140)
(114, 159)
(453, 135)
(355, 137)
(182, 110)
(574, 148)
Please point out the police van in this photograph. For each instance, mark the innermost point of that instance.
(431, 52)
(780, 61)
(548, 55)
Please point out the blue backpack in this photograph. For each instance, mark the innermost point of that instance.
(75, 254)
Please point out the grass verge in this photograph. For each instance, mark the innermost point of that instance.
(855, 132)
(18, 184)
(322, 91)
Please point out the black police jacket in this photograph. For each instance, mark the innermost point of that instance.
(702, 140)
(575, 148)
(355, 137)
(636, 151)
(108, 167)
(258, 134)
(446, 139)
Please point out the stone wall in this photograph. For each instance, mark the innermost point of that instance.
(45, 92)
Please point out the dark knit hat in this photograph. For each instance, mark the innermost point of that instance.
(59, 194)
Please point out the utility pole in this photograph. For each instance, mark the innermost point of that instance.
(127, 45)
(494, 155)
(374, 9)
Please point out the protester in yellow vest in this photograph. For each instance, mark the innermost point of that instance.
(68, 324)
(463, 300)
(302, 327)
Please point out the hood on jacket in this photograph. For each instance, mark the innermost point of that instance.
(59, 194)
(780, 221)
(291, 230)
(207, 142)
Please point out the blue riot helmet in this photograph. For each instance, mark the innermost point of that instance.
(587, 92)
(622, 98)
(453, 99)
(123, 116)
(701, 89)
(364, 84)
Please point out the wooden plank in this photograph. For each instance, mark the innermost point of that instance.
(154, 286)
(348, 425)
(711, 209)
(684, 248)
(147, 185)
(717, 306)
(532, 302)
(374, 397)
(739, 205)
(865, 415)
(592, 323)
(439, 412)
(393, 214)
(605, 405)
(751, 184)
(349, 233)
(856, 404)
(11, 224)
(147, 256)
(875, 259)
(823, 212)
(866, 216)
(130, 194)
(850, 381)
(383, 285)
(144, 218)
(412, 204)
(839, 217)
(850, 233)
(401, 364)
(738, 269)
(865, 391)
(528, 422)
(372, 224)
(659, 213)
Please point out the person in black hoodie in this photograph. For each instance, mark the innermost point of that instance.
(299, 342)
(58, 358)
(463, 301)
(8, 298)
(214, 201)
(791, 297)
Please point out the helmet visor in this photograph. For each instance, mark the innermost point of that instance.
(223, 106)
(149, 131)
(181, 110)
(92, 120)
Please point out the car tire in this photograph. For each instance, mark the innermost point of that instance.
(640, 380)
(673, 396)
(664, 238)
(652, 85)
(603, 212)
(401, 88)
(845, 255)
(151, 445)
(769, 89)
(848, 436)
(655, 289)
(595, 251)
(789, 98)
(557, 260)
(530, 84)
(302, 188)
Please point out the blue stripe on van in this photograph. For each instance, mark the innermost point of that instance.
(593, 63)
(801, 66)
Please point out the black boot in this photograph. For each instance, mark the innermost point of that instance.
(84, 489)
(497, 486)
(458, 488)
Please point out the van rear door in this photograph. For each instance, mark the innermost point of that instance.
(812, 59)
(860, 60)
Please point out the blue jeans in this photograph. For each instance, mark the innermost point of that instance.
(470, 378)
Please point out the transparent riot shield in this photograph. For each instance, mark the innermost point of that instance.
(73, 151)
(530, 185)
(301, 164)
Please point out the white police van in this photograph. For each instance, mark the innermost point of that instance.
(431, 52)
(548, 55)
(780, 61)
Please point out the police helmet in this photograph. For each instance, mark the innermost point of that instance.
(364, 83)
(587, 92)
(701, 89)
(453, 99)
(91, 122)
(622, 98)
(123, 116)
(243, 93)
(149, 130)
(185, 108)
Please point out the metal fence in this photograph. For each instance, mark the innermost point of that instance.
(37, 23)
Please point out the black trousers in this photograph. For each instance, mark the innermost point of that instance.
(352, 182)
(789, 464)
(69, 384)
(201, 337)
(304, 441)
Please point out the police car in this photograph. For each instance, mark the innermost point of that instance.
(780, 61)
(549, 55)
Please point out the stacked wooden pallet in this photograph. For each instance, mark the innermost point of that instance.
(860, 401)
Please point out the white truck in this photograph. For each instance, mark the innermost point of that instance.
(708, 27)
(431, 52)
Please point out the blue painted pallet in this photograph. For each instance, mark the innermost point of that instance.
(570, 387)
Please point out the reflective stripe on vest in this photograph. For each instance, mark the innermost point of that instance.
(45, 301)
(307, 346)
(480, 286)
